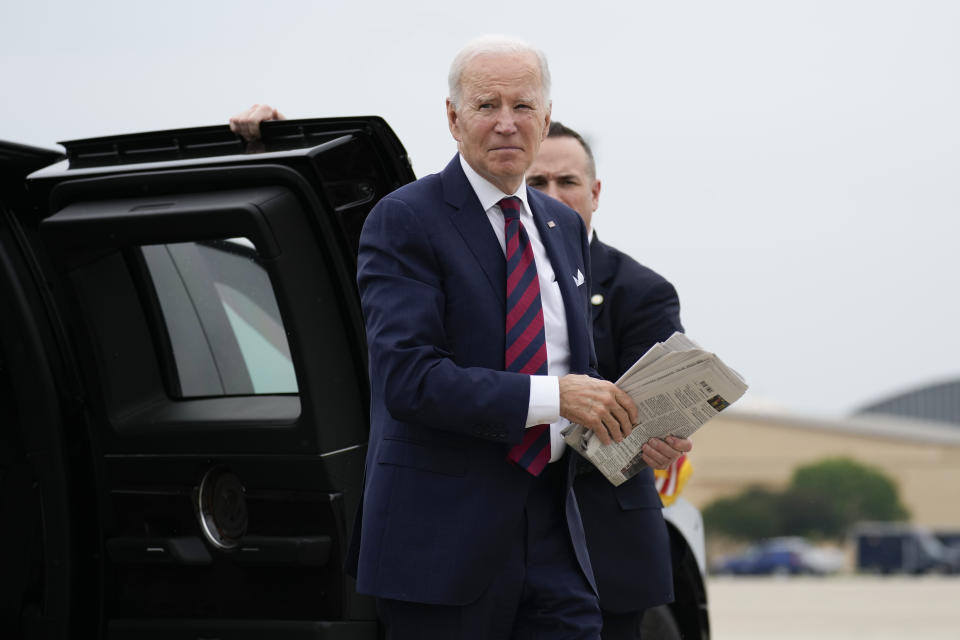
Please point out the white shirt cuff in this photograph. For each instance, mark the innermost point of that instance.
(544, 400)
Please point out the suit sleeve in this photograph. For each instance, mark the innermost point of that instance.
(402, 294)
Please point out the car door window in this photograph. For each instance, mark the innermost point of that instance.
(222, 318)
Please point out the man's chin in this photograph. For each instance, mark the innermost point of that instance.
(509, 170)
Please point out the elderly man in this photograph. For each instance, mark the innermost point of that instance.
(633, 308)
(476, 306)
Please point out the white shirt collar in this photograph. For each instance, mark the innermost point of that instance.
(487, 193)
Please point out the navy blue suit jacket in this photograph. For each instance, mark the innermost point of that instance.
(440, 496)
(626, 534)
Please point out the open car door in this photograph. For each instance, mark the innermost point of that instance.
(209, 379)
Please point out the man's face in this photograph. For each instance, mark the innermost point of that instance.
(562, 171)
(501, 119)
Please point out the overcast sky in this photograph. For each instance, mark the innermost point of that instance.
(792, 166)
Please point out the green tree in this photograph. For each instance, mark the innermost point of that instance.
(857, 491)
(823, 499)
(751, 514)
(803, 512)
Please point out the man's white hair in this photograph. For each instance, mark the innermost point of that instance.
(494, 44)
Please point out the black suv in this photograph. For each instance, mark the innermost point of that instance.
(183, 385)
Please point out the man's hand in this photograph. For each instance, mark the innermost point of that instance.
(598, 405)
(660, 454)
(247, 123)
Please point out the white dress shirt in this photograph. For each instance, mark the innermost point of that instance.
(544, 402)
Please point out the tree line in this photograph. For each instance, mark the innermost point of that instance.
(822, 500)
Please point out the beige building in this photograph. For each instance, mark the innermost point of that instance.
(740, 449)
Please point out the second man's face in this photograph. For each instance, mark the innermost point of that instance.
(502, 117)
(561, 170)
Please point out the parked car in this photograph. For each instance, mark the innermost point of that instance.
(901, 547)
(782, 556)
(183, 386)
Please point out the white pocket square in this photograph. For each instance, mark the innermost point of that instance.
(578, 279)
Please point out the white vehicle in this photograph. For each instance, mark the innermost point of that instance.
(687, 616)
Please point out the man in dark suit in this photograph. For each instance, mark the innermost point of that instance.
(459, 538)
(633, 308)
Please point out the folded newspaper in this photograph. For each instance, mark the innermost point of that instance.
(677, 387)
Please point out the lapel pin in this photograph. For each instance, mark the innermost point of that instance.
(551, 224)
(596, 300)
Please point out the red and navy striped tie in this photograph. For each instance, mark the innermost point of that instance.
(526, 344)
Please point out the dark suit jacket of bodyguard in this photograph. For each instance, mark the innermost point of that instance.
(626, 534)
(440, 498)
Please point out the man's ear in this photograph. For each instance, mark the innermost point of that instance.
(453, 120)
(546, 122)
(595, 192)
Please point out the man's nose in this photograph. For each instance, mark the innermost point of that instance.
(506, 121)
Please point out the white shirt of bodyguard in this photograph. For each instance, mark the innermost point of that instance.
(544, 403)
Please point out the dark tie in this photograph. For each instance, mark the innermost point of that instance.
(526, 344)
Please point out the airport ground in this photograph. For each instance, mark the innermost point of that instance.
(834, 608)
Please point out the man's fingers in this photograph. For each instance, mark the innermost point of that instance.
(623, 424)
(654, 459)
(611, 424)
(626, 402)
(683, 445)
(613, 428)
(247, 122)
(597, 405)
(236, 123)
(602, 432)
(661, 454)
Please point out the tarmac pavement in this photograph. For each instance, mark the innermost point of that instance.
(834, 608)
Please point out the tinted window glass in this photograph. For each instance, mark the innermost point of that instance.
(222, 318)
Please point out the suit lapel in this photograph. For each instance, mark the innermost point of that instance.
(552, 238)
(565, 270)
(601, 271)
(471, 222)
(600, 265)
